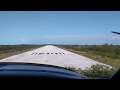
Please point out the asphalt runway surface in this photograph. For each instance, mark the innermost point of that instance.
(52, 55)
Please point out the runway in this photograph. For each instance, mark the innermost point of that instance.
(53, 56)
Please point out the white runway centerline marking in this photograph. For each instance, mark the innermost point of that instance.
(53, 56)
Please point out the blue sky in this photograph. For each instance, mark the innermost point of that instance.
(59, 27)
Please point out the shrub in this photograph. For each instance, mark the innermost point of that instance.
(98, 70)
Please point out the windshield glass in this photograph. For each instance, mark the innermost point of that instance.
(83, 41)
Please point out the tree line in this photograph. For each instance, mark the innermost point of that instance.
(13, 48)
(105, 50)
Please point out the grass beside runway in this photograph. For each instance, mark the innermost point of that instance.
(10, 50)
(107, 54)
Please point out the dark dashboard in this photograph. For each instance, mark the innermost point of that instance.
(36, 71)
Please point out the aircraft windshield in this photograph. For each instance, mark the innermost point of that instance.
(78, 40)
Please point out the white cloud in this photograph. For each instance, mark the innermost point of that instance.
(23, 40)
(112, 38)
(69, 39)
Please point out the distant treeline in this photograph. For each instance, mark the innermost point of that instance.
(13, 48)
(108, 54)
(105, 50)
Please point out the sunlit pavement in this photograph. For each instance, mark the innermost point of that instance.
(53, 56)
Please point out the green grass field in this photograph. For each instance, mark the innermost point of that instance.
(108, 54)
(9, 50)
